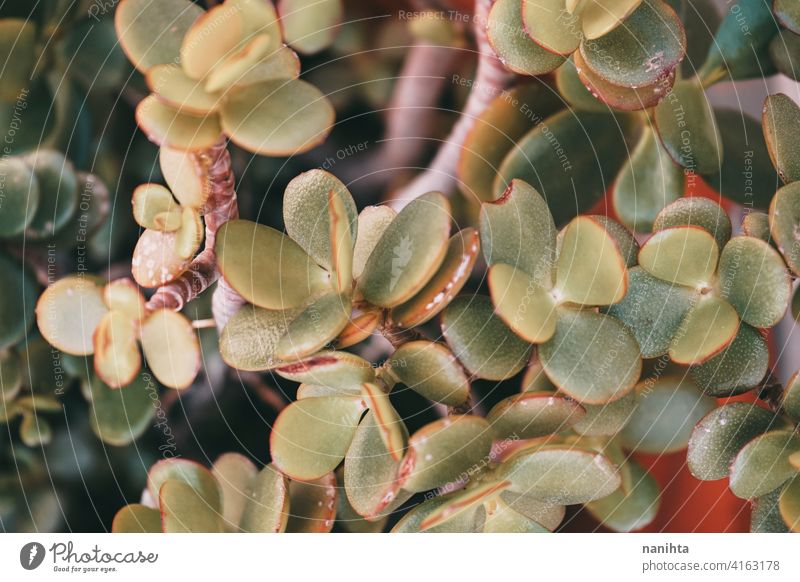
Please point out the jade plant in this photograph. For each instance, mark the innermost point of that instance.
(484, 345)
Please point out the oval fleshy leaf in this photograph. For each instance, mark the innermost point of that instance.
(736, 369)
(606, 419)
(239, 63)
(312, 505)
(250, 337)
(709, 326)
(562, 475)
(784, 218)
(171, 348)
(684, 255)
(626, 511)
(277, 118)
(372, 223)
(788, 13)
(643, 52)
(666, 412)
(466, 501)
(156, 261)
(120, 416)
(464, 522)
(652, 310)
(315, 327)
(549, 515)
(19, 50)
(188, 472)
(172, 86)
(790, 398)
(137, 518)
(789, 504)
(408, 254)
(210, 39)
(755, 281)
(68, 313)
(370, 471)
(533, 414)
(518, 230)
(310, 25)
(481, 341)
(307, 213)
(699, 212)
(167, 126)
(330, 368)
(183, 510)
(116, 353)
(180, 173)
(311, 436)
(266, 267)
(719, 437)
(592, 357)
(358, 329)
(593, 142)
(600, 17)
(123, 296)
(20, 197)
(549, 24)
(590, 269)
(518, 51)
(236, 476)
(388, 422)
(431, 370)
(267, 509)
(763, 464)
(687, 128)
(462, 251)
(151, 33)
(527, 308)
(155, 208)
(756, 224)
(443, 451)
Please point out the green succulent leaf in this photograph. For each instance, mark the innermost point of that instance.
(763, 464)
(155, 208)
(647, 183)
(277, 118)
(574, 91)
(781, 121)
(590, 268)
(533, 414)
(699, 212)
(21, 195)
(686, 113)
(784, 51)
(430, 369)
(315, 327)
(550, 26)
(18, 52)
(736, 369)
(755, 281)
(250, 338)
(58, 188)
(311, 436)
(116, 356)
(548, 515)
(631, 510)
(171, 348)
(151, 32)
(746, 161)
(789, 504)
(266, 267)
(790, 398)
(784, 216)
(719, 437)
(312, 505)
(592, 357)
(211, 39)
(68, 312)
(667, 410)
(335, 369)
(766, 515)
(183, 510)
(165, 125)
(606, 419)
(446, 451)
(267, 508)
(685, 255)
(409, 253)
(643, 52)
(189, 473)
(370, 471)
(307, 213)
(739, 53)
(709, 326)
(788, 14)
(236, 476)
(593, 142)
(481, 341)
(464, 522)
(177, 89)
(310, 25)
(523, 305)
(518, 230)
(520, 53)
(462, 252)
(137, 518)
(372, 223)
(562, 475)
(464, 502)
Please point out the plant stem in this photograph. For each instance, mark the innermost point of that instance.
(491, 79)
(214, 166)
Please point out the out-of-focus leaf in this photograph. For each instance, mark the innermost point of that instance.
(68, 312)
(120, 416)
(20, 196)
(789, 504)
(183, 510)
(137, 518)
(171, 348)
(310, 25)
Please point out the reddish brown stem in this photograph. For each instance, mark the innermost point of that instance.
(491, 79)
(214, 165)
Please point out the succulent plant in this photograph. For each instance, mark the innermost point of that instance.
(522, 326)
